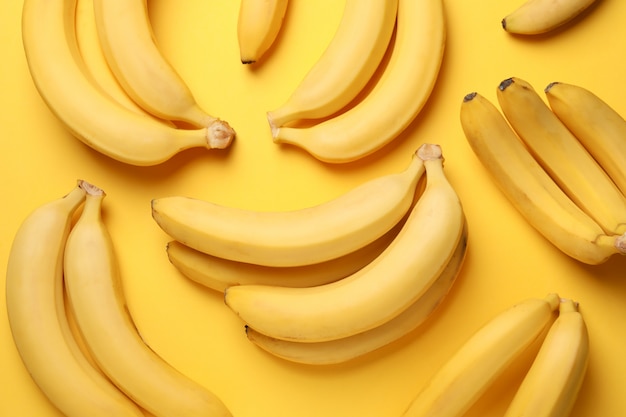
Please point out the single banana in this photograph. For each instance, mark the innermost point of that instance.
(60, 76)
(395, 100)
(96, 297)
(541, 16)
(345, 67)
(358, 345)
(530, 189)
(470, 371)
(595, 124)
(292, 238)
(258, 24)
(386, 287)
(551, 386)
(36, 313)
(560, 153)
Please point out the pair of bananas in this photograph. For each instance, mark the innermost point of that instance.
(535, 17)
(118, 374)
(332, 282)
(560, 164)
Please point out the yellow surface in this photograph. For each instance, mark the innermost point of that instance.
(193, 329)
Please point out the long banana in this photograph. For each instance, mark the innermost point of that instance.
(292, 238)
(36, 312)
(96, 297)
(541, 16)
(375, 294)
(61, 78)
(395, 100)
(551, 386)
(258, 24)
(530, 189)
(470, 371)
(358, 345)
(347, 64)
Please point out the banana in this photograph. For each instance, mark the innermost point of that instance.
(541, 16)
(258, 24)
(595, 124)
(346, 66)
(292, 238)
(483, 357)
(36, 313)
(530, 189)
(564, 158)
(352, 347)
(60, 76)
(396, 99)
(375, 294)
(551, 386)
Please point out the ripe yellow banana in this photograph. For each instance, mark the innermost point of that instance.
(530, 189)
(292, 238)
(36, 312)
(375, 294)
(60, 76)
(258, 25)
(96, 297)
(595, 124)
(352, 347)
(347, 64)
(483, 357)
(551, 386)
(395, 100)
(541, 16)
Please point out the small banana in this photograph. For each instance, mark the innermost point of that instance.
(292, 238)
(346, 66)
(541, 16)
(470, 371)
(396, 99)
(375, 294)
(96, 297)
(258, 24)
(551, 386)
(530, 189)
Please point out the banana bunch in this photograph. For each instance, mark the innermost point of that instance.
(258, 25)
(97, 67)
(537, 158)
(541, 16)
(117, 374)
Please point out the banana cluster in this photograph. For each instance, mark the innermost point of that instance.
(346, 276)
(535, 17)
(560, 164)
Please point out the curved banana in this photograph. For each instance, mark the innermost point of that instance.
(541, 16)
(352, 347)
(292, 238)
(375, 294)
(551, 386)
(396, 99)
(96, 297)
(595, 124)
(36, 312)
(483, 357)
(347, 64)
(258, 25)
(530, 189)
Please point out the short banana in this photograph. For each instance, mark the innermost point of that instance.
(96, 297)
(258, 24)
(551, 386)
(470, 371)
(352, 347)
(396, 99)
(347, 64)
(541, 16)
(530, 189)
(595, 124)
(292, 238)
(36, 313)
(375, 294)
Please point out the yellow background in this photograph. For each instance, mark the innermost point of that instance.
(192, 328)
